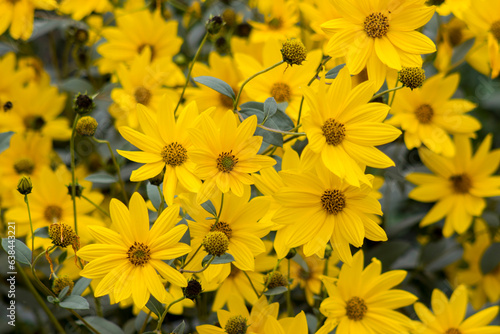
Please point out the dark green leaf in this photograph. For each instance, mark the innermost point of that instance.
(51, 299)
(42, 232)
(270, 107)
(282, 121)
(490, 259)
(180, 329)
(252, 105)
(101, 177)
(269, 137)
(437, 255)
(153, 195)
(75, 303)
(226, 258)
(332, 74)
(5, 140)
(210, 208)
(63, 293)
(247, 112)
(77, 85)
(80, 286)
(388, 252)
(62, 257)
(216, 84)
(460, 51)
(18, 248)
(102, 325)
(155, 306)
(276, 291)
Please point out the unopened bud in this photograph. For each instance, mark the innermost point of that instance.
(86, 126)
(24, 186)
(83, 104)
(214, 25)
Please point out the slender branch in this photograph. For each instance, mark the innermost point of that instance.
(251, 283)
(145, 323)
(31, 226)
(73, 182)
(95, 205)
(376, 96)
(198, 271)
(196, 252)
(280, 131)
(160, 321)
(268, 280)
(394, 94)
(289, 307)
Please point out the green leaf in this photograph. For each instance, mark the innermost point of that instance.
(77, 85)
(226, 258)
(332, 74)
(101, 177)
(276, 291)
(155, 306)
(80, 286)
(75, 303)
(63, 293)
(282, 121)
(269, 137)
(18, 248)
(5, 140)
(247, 112)
(270, 108)
(490, 259)
(42, 232)
(51, 299)
(62, 257)
(216, 84)
(153, 195)
(461, 51)
(210, 208)
(180, 329)
(102, 325)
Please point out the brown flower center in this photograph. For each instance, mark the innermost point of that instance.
(142, 95)
(424, 113)
(139, 254)
(455, 34)
(333, 201)
(495, 30)
(376, 25)
(461, 183)
(226, 161)
(24, 166)
(174, 154)
(236, 325)
(222, 227)
(275, 24)
(453, 331)
(34, 122)
(226, 101)
(281, 92)
(142, 46)
(356, 308)
(53, 213)
(333, 131)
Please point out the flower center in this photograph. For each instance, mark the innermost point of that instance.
(139, 254)
(216, 243)
(226, 161)
(461, 183)
(53, 213)
(281, 92)
(303, 274)
(453, 331)
(275, 23)
(495, 30)
(222, 227)
(24, 166)
(356, 308)
(333, 131)
(455, 34)
(376, 25)
(142, 46)
(226, 101)
(236, 325)
(333, 201)
(174, 154)
(34, 122)
(424, 113)
(142, 95)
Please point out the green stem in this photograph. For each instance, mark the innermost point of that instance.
(162, 203)
(39, 299)
(280, 131)
(31, 226)
(190, 70)
(196, 252)
(198, 271)
(160, 322)
(235, 104)
(115, 163)
(95, 205)
(73, 182)
(220, 209)
(289, 307)
(251, 283)
(145, 323)
(268, 280)
(394, 94)
(376, 96)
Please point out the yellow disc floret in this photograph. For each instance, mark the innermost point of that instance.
(355, 308)
(216, 243)
(62, 235)
(412, 77)
(236, 325)
(61, 282)
(86, 126)
(293, 52)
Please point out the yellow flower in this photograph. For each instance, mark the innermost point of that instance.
(129, 261)
(343, 128)
(379, 34)
(362, 301)
(318, 12)
(320, 207)
(429, 115)
(459, 186)
(450, 35)
(134, 32)
(79, 9)
(19, 16)
(483, 18)
(226, 155)
(446, 7)
(165, 145)
(11, 81)
(449, 315)
(280, 22)
(296, 325)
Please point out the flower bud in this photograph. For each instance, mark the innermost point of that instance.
(293, 52)
(61, 282)
(216, 243)
(276, 279)
(83, 104)
(86, 126)
(214, 25)
(24, 185)
(192, 290)
(412, 77)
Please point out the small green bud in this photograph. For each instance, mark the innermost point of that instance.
(24, 186)
(214, 25)
(83, 104)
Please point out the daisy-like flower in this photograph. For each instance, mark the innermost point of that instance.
(11, 81)
(318, 207)
(483, 19)
(448, 316)
(362, 301)
(279, 23)
(164, 144)
(226, 154)
(428, 115)
(19, 16)
(460, 185)
(135, 31)
(379, 34)
(343, 128)
(128, 262)
(450, 35)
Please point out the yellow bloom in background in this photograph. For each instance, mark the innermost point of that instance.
(142, 83)
(19, 16)
(165, 144)
(279, 23)
(226, 154)
(11, 81)
(428, 115)
(282, 84)
(135, 31)
(343, 128)
(483, 19)
(129, 261)
(450, 35)
(447, 7)
(379, 34)
(448, 316)
(320, 207)
(317, 12)
(78, 9)
(296, 325)
(459, 185)
(364, 301)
